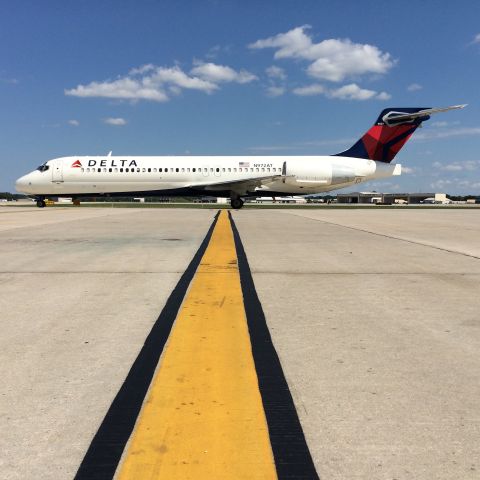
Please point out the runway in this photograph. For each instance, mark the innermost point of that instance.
(342, 344)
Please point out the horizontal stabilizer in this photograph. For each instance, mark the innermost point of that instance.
(394, 118)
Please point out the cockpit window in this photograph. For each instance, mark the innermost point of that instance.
(43, 168)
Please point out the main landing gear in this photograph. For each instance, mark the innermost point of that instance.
(41, 203)
(236, 203)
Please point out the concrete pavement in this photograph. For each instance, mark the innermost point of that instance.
(374, 314)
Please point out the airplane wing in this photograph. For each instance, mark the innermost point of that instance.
(392, 118)
(242, 187)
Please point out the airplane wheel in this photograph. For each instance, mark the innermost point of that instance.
(41, 203)
(236, 203)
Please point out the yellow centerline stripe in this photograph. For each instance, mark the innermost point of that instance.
(203, 417)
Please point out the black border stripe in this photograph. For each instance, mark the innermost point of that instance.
(104, 453)
(290, 450)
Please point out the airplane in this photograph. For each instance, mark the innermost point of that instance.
(237, 177)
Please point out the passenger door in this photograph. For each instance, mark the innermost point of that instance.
(57, 171)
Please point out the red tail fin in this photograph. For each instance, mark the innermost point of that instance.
(385, 139)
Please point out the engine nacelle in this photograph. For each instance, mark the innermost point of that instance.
(342, 174)
(317, 171)
(310, 170)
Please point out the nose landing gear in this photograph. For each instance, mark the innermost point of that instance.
(41, 203)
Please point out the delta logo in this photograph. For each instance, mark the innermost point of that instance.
(76, 164)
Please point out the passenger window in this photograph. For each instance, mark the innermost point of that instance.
(235, 170)
(258, 170)
(116, 170)
(251, 169)
(183, 170)
(229, 169)
(99, 170)
(121, 170)
(217, 170)
(211, 169)
(83, 169)
(138, 170)
(188, 170)
(205, 169)
(194, 170)
(127, 170)
(143, 170)
(155, 170)
(110, 170)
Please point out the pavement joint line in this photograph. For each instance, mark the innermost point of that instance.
(388, 236)
(91, 272)
(256, 272)
(396, 274)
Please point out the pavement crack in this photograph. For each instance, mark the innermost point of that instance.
(389, 236)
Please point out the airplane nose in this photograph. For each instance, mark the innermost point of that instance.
(22, 184)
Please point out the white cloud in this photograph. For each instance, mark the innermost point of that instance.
(408, 170)
(465, 165)
(440, 124)
(348, 92)
(216, 50)
(276, 81)
(154, 83)
(441, 184)
(142, 69)
(124, 89)
(275, 91)
(434, 133)
(352, 92)
(414, 87)
(476, 38)
(383, 96)
(213, 52)
(276, 72)
(452, 167)
(11, 81)
(220, 73)
(331, 59)
(74, 123)
(115, 121)
(443, 124)
(313, 89)
(471, 185)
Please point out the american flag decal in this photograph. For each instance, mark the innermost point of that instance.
(243, 164)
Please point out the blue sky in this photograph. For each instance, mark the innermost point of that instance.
(239, 77)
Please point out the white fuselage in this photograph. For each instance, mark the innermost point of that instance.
(217, 176)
